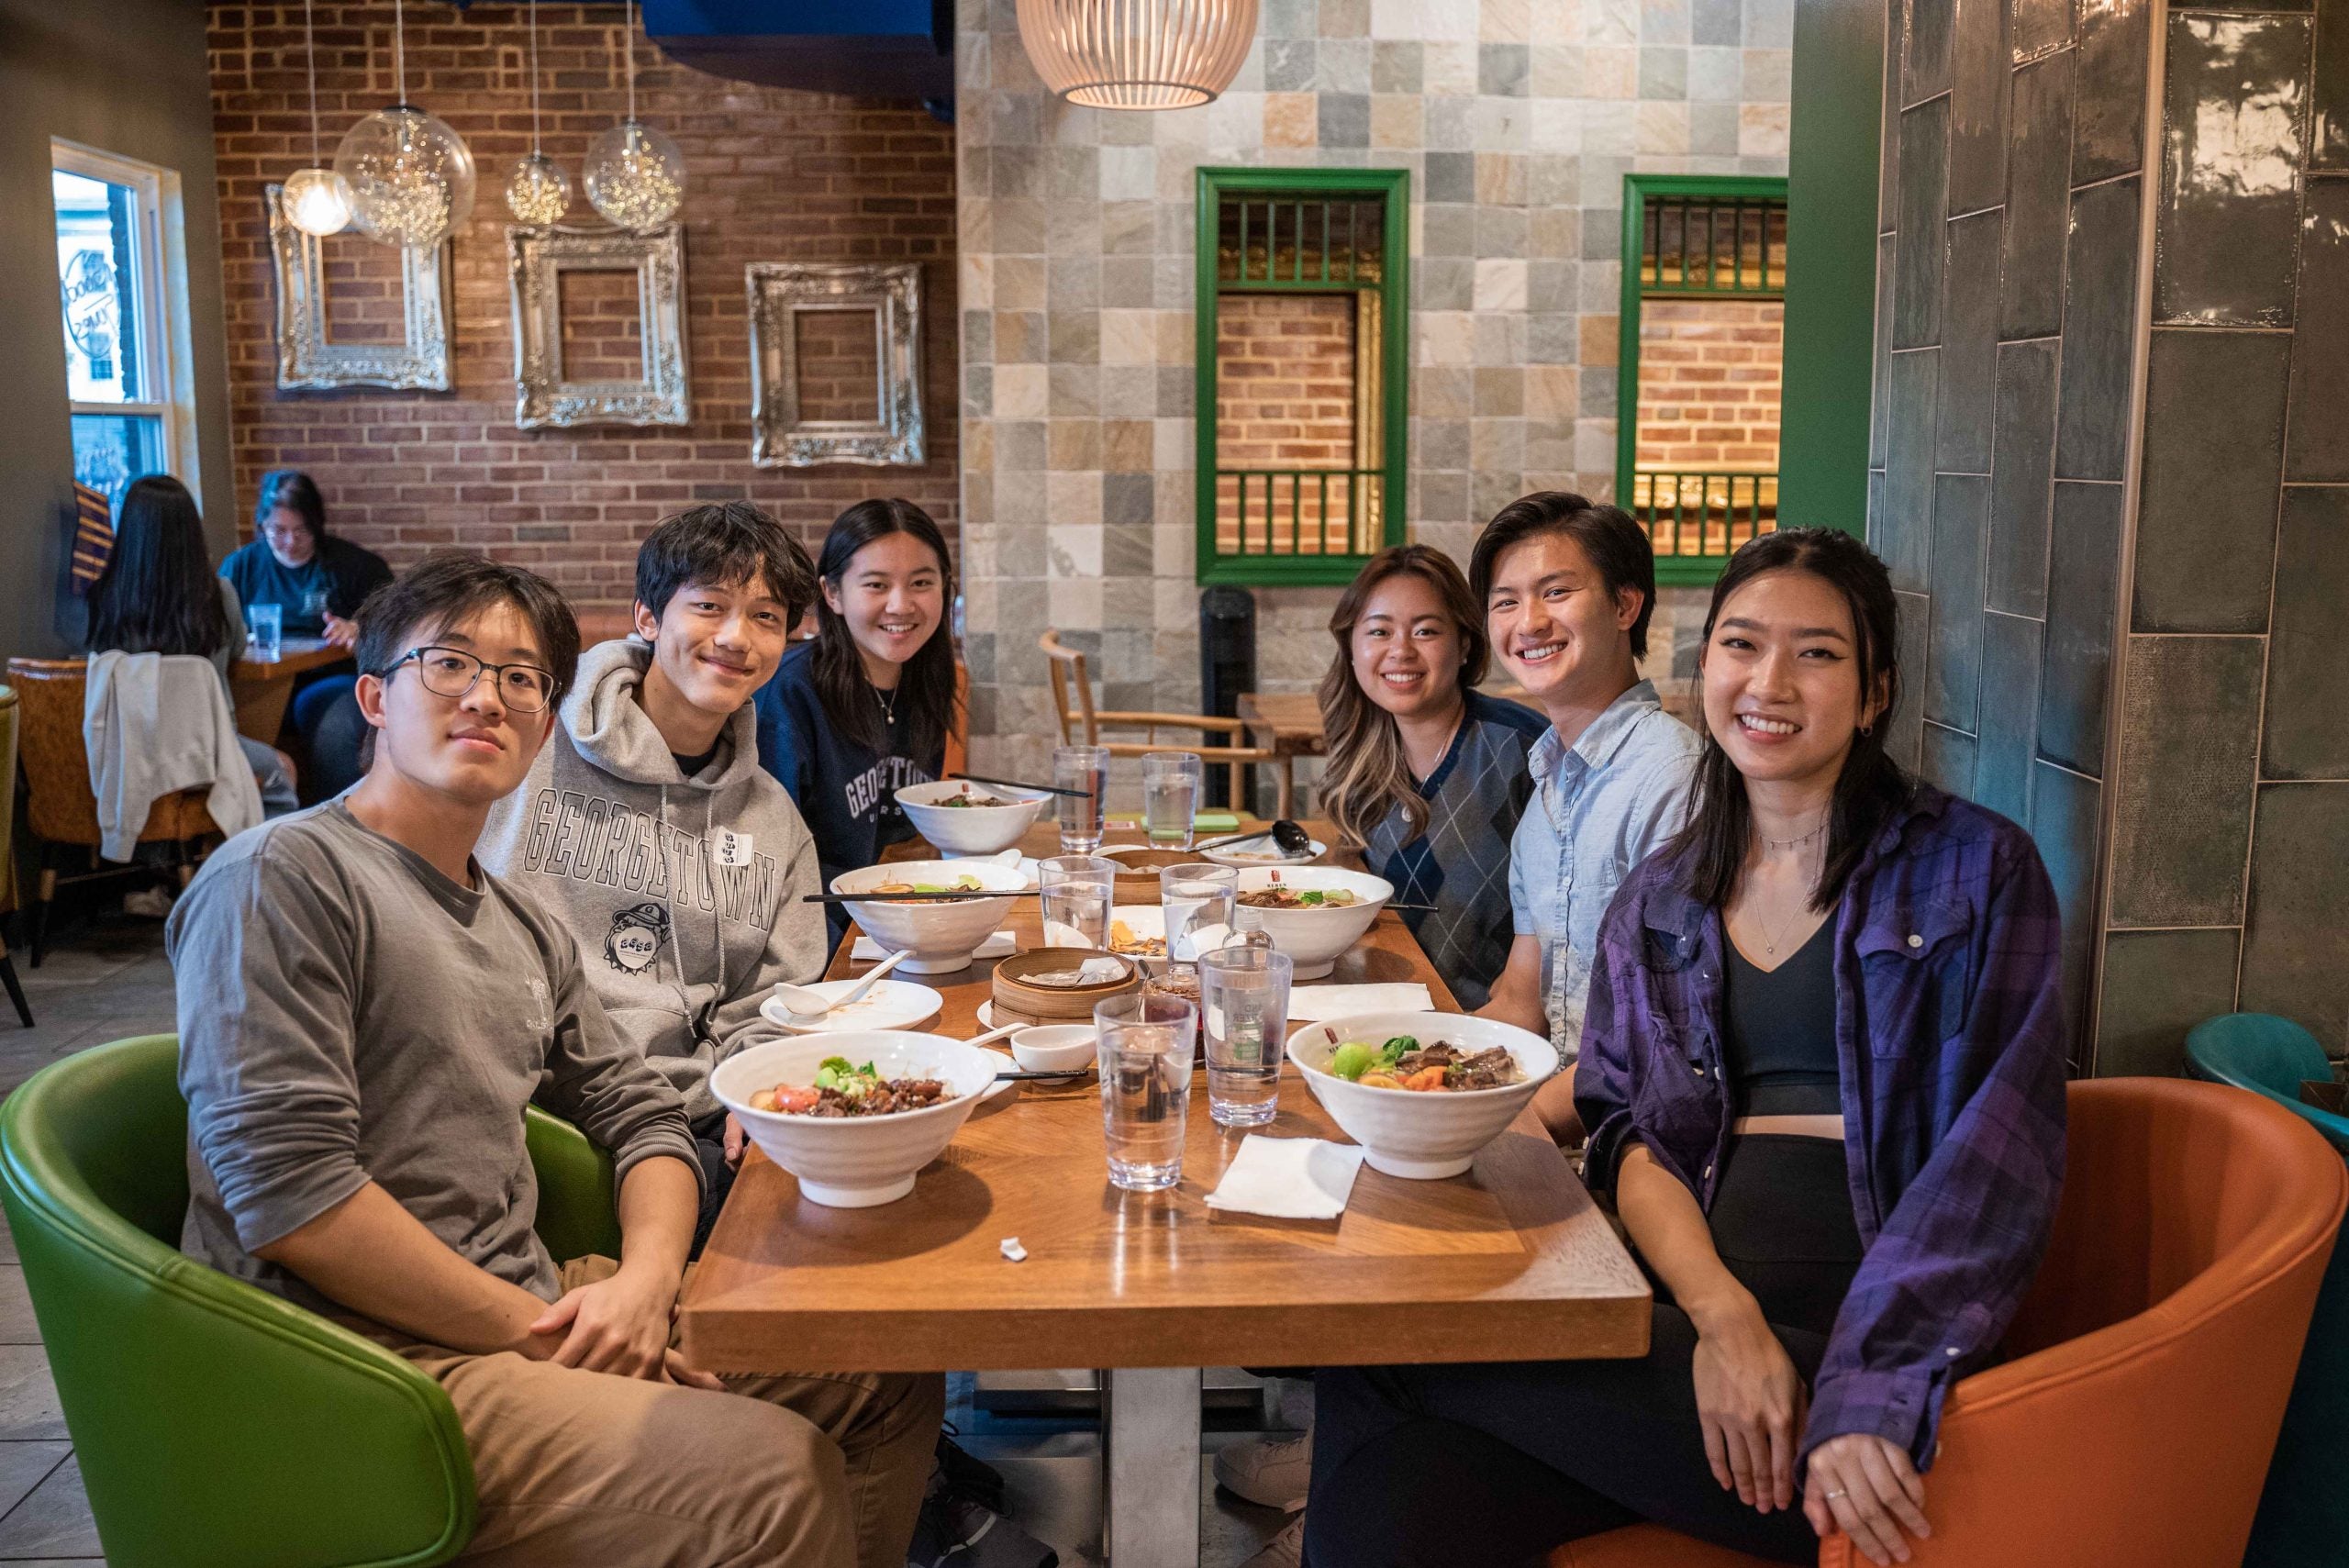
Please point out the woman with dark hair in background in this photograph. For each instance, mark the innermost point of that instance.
(158, 595)
(864, 709)
(317, 581)
(1823, 1067)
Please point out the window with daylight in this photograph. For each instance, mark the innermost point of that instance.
(122, 296)
(1703, 334)
(1302, 374)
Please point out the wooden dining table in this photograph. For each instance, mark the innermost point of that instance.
(264, 687)
(1510, 1261)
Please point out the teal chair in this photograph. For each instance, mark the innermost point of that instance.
(217, 1424)
(2304, 1512)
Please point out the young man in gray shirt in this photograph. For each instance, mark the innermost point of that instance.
(364, 1014)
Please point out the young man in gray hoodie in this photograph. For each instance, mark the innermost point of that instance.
(648, 826)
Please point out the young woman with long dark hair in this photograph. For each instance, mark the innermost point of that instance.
(863, 710)
(1822, 1065)
(1427, 775)
(158, 595)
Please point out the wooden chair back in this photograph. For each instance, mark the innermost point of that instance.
(1081, 724)
(58, 802)
(1065, 666)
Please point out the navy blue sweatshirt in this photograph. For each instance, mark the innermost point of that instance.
(846, 793)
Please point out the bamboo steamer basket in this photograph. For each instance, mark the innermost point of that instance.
(1018, 1002)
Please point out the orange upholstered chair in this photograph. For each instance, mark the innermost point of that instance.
(2132, 1428)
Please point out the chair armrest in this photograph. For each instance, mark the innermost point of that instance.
(578, 1204)
(1171, 720)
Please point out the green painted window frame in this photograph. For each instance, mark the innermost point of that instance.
(1639, 191)
(1393, 186)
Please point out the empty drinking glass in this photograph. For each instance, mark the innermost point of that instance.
(1147, 1039)
(1085, 767)
(1077, 891)
(265, 632)
(1197, 897)
(1169, 796)
(1243, 1011)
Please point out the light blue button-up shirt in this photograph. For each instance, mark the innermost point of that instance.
(1599, 808)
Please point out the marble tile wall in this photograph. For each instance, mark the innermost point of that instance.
(1518, 120)
(2005, 325)
(2230, 878)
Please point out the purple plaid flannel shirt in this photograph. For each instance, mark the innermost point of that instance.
(1949, 1032)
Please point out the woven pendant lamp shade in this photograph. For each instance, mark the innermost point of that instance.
(1138, 55)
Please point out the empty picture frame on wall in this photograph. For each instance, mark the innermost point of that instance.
(788, 429)
(547, 395)
(308, 357)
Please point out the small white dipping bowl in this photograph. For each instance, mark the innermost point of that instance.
(942, 933)
(1055, 1048)
(1421, 1135)
(959, 830)
(855, 1161)
(1314, 938)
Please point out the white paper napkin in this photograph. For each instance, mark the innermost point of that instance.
(1289, 1178)
(1312, 1004)
(1003, 944)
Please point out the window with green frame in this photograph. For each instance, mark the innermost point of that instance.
(1703, 286)
(1300, 486)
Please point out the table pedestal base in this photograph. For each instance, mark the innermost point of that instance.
(1150, 1466)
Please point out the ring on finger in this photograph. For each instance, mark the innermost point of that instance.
(1830, 1496)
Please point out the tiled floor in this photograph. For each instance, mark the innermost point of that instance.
(108, 980)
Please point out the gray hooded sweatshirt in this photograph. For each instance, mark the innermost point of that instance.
(682, 894)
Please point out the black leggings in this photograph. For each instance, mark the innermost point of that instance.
(1498, 1464)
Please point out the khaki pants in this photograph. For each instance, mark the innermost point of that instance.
(585, 1470)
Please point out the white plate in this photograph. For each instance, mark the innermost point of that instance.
(890, 1005)
(1261, 854)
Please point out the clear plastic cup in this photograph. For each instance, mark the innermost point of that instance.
(1243, 1013)
(1198, 898)
(1077, 891)
(1169, 796)
(265, 632)
(1082, 768)
(1147, 1041)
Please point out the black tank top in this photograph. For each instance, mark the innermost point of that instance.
(1781, 1030)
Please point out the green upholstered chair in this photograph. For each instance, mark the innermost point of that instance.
(217, 1426)
(2303, 1517)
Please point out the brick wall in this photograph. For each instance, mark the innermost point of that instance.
(1710, 382)
(773, 175)
(1285, 398)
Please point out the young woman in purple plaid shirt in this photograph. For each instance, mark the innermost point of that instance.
(1823, 1067)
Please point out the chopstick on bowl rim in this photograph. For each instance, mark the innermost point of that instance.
(1015, 783)
(918, 898)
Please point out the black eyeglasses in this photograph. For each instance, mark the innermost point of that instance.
(451, 672)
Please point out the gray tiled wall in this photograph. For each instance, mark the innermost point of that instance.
(2230, 858)
(2005, 328)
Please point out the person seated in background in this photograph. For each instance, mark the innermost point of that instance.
(158, 595)
(865, 709)
(650, 784)
(364, 1015)
(317, 581)
(1568, 586)
(1823, 1066)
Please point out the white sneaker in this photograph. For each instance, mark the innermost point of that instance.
(148, 903)
(1286, 1549)
(1269, 1472)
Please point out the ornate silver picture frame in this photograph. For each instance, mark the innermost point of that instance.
(891, 294)
(308, 361)
(544, 398)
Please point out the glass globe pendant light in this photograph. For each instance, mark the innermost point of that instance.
(1137, 54)
(635, 176)
(411, 177)
(316, 199)
(538, 193)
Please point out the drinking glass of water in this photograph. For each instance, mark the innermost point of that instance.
(1169, 796)
(1085, 767)
(1147, 1039)
(313, 606)
(1077, 891)
(265, 632)
(1243, 1011)
(1197, 896)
